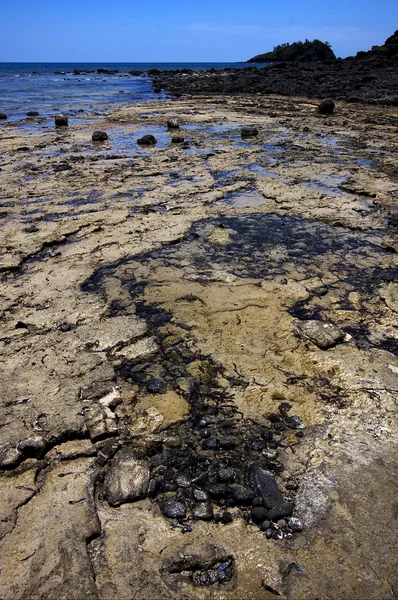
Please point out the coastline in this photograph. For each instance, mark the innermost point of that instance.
(369, 77)
(238, 242)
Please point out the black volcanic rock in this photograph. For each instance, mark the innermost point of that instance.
(99, 136)
(298, 51)
(326, 107)
(147, 140)
(370, 77)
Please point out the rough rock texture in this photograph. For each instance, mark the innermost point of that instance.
(369, 77)
(192, 265)
(147, 140)
(99, 136)
(324, 335)
(127, 479)
(61, 120)
(326, 107)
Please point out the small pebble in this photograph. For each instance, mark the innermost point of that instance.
(156, 386)
(294, 524)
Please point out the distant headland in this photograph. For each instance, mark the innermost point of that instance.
(298, 51)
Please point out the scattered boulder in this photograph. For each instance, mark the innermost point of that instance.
(326, 107)
(203, 511)
(177, 139)
(281, 511)
(156, 386)
(99, 136)
(127, 480)
(147, 140)
(249, 131)
(200, 495)
(173, 509)
(61, 120)
(323, 335)
(63, 166)
(3, 115)
(259, 514)
(32, 113)
(294, 524)
(173, 124)
(264, 484)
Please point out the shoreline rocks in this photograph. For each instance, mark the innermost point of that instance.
(99, 136)
(370, 77)
(61, 120)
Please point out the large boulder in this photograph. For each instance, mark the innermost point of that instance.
(264, 485)
(61, 120)
(326, 107)
(99, 136)
(323, 335)
(147, 140)
(128, 478)
(173, 124)
(249, 131)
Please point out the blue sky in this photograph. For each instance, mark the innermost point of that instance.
(183, 31)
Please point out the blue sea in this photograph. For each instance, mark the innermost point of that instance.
(53, 87)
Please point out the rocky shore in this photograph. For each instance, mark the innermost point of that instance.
(370, 77)
(199, 352)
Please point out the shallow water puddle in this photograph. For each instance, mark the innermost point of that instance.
(247, 198)
(327, 184)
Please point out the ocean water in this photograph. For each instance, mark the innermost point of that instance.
(53, 87)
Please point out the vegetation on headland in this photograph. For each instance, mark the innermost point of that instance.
(298, 51)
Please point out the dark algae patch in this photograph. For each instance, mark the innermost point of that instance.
(218, 465)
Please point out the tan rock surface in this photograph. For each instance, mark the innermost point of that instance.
(196, 265)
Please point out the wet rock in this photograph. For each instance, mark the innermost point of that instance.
(183, 480)
(210, 444)
(294, 422)
(127, 480)
(264, 484)
(227, 443)
(173, 509)
(227, 474)
(147, 140)
(63, 166)
(203, 511)
(323, 335)
(9, 456)
(257, 501)
(33, 446)
(156, 386)
(61, 120)
(326, 107)
(249, 131)
(3, 116)
(259, 514)
(32, 113)
(218, 491)
(31, 229)
(281, 511)
(243, 495)
(99, 136)
(177, 139)
(294, 524)
(173, 124)
(200, 495)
